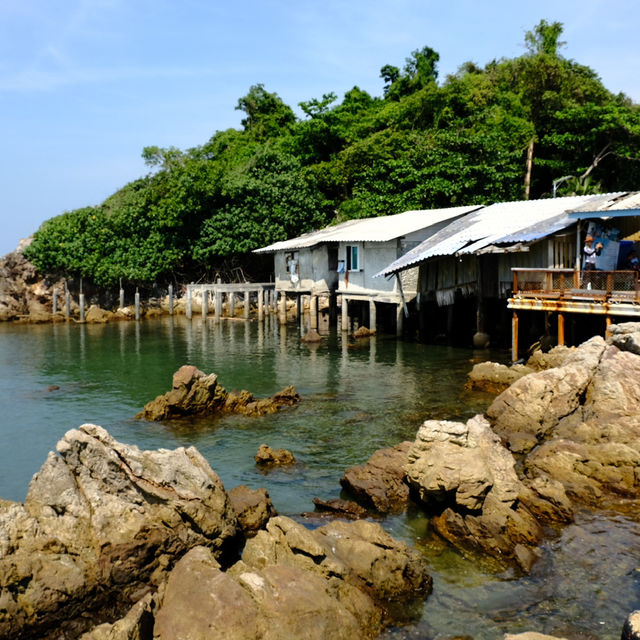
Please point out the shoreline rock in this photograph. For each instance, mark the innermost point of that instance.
(195, 393)
(150, 539)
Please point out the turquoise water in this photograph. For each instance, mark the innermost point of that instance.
(356, 398)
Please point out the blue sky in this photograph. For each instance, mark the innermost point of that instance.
(86, 84)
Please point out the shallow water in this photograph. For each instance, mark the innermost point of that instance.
(356, 398)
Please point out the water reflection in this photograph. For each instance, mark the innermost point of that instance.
(357, 396)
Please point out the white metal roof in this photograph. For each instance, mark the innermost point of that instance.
(609, 205)
(503, 221)
(379, 229)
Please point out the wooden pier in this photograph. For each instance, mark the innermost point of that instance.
(561, 291)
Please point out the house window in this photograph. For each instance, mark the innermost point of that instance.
(353, 263)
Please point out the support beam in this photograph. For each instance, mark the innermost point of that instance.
(313, 312)
(232, 305)
(561, 340)
(260, 305)
(399, 319)
(283, 308)
(246, 305)
(372, 315)
(514, 337)
(345, 314)
(607, 333)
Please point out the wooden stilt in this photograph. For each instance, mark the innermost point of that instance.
(561, 329)
(372, 315)
(607, 333)
(313, 312)
(345, 314)
(514, 337)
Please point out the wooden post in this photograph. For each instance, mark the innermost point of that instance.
(345, 314)
(514, 337)
(246, 305)
(137, 303)
(283, 308)
(121, 297)
(561, 340)
(170, 299)
(313, 312)
(372, 315)
(607, 333)
(67, 304)
(189, 307)
(81, 302)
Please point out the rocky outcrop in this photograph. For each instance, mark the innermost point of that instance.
(580, 423)
(493, 377)
(380, 483)
(464, 475)
(338, 508)
(253, 508)
(25, 295)
(195, 393)
(364, 332)
(334, 582)
(102, 524)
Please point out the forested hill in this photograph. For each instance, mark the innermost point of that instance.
(501, 132)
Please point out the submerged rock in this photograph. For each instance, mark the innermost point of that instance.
(311, 336)
(195, 393)
(364, 332)
(269, 457)
(339, 508)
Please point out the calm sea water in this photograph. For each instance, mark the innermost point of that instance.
(356, 397)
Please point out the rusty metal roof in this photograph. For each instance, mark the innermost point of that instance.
(380, 229)
(503, 222)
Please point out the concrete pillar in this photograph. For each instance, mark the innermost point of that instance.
(283, 308)
(246, 305)
(67, 304)
(170, 299)
(121, 298)
(372, 315)
(81, 302)
(189, 304)
(55, 302)
(313, 312)
(232, 304)
(137, 304)
(260, 305)
(218, 304)
(205, 303)
(399, 319)
(345, 314)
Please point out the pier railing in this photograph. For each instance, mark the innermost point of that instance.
(572, 284)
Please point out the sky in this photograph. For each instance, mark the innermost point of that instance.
(85, 85)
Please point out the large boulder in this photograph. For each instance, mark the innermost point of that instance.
(580, 423)
(493, 377)
(466, 477)
(195, 393)
(380, 483)
(335, 582)
(253, 508)
(102, 524)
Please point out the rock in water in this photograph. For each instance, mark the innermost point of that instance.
(195, 393)
(269, 457)
(102, 521)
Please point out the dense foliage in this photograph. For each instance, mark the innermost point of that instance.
(502, 132)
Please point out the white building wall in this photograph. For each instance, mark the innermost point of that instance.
(312, 269)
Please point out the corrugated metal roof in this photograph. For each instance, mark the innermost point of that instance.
(609, 205)
(520, 221)
(379, 229)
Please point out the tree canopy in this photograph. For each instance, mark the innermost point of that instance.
(423, 143)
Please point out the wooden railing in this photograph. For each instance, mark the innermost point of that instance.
(574, 284)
